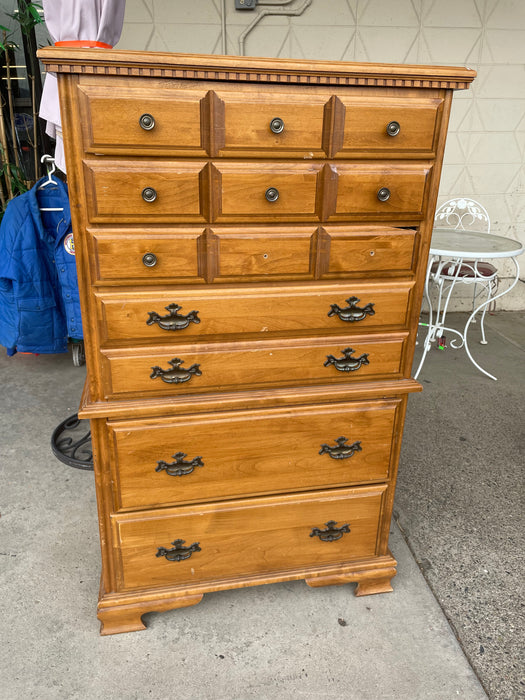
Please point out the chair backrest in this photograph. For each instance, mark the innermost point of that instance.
(463, 214)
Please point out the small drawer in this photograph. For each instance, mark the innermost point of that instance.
(273, 124)
(145, 191)
(393, 192)
(215, 456)
(203, 313)
(190, 545)
(148, 256)
(257, 253)
(266, 191)
(389, 127)
(351, 250)
(139, 118)
(193, 369)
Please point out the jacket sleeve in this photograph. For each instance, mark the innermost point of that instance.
(8, 278)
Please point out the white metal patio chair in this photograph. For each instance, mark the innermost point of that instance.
(465, 214)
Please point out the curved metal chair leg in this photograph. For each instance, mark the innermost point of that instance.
(71, 443)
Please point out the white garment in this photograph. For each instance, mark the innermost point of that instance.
(73, 20)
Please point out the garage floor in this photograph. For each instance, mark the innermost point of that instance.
(453, 620)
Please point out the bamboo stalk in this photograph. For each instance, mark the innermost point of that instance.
(35, 125)
(4, 155)
(10, 103)
(3, 200)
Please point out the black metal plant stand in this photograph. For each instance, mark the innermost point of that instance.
(71, 443)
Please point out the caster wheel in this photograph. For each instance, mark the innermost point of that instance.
(79, 356)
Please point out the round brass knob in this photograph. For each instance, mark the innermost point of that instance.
(393, 128)
(277, 125)
(272, 194)
(383, 194)
(149, 194)
(147, 122)
(149, 259)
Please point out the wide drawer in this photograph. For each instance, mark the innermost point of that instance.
(181, 313)
(218, 456)
(251, 537)
(248, 254)
(142, 118)
(188, 369)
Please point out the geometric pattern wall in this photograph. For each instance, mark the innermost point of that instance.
(485, 154)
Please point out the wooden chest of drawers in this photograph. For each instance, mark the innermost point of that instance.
(251, 238)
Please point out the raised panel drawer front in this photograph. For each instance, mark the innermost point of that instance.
(365, 250)
(389, 126)
(381, 192)
(188, 369)
(144, 191)
(267, 191)
(216, 456)
(147, 255)
(141, 118)
(263, 253)
(249, 537)
(179, 314)
(273, 123)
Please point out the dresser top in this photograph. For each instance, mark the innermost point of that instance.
(248, 69)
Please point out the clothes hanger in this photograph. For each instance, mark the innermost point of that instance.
(50, 167)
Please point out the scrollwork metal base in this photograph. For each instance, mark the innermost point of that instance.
(71, 443)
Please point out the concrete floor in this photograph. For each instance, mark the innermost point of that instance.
(460, 495)
(458, 504)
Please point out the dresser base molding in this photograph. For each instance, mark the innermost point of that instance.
(122, 612)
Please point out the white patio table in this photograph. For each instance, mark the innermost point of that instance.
(449, 251)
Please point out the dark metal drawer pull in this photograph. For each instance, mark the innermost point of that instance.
(272, 194)
(178, 552)
(332, 533)
(277, 125)
(149, 259)
(341, 451)
(173, 321)
(177, 374)
(147, 122)
(352, 312)
(383, 194)
(347, 363)
(393, 128)
(149, 194)
(179, 467)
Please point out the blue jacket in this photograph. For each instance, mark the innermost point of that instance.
(39, 303)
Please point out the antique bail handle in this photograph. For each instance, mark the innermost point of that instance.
(173, 321)
(178, 552)
(352, 312)
(347, 363)
(177, 374)
(179, 467)
(341, 449)
(332, 533)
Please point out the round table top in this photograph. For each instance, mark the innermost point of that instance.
(473, 244)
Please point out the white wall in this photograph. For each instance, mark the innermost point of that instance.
(485, 155)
